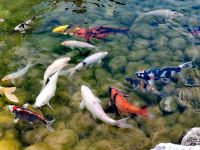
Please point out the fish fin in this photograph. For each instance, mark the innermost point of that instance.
(48, 125)
(122, 123)
(13, 81)
(71, 72)
(50, 106)
(31, 122)
(99, 61)
(94, 116)
(166, 80)
(145, 113)
(82, 105)
(10, 89)
(151, 82)
(12, 97)
(110, 103)
(25, 105)
(16, 120)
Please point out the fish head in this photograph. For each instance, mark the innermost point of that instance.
(60, 29)
(104, 54)
(84, 89)
(176, 14)
(112, 91)
(11, 108)
(64, 60)
(65, 43)
(140, 74)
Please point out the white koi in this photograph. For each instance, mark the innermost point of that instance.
(17, 74)
(57, 65)
(92, 103)
(47, 92)
(97, 57)
(77, 44)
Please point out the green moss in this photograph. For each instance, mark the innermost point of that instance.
(9, 145)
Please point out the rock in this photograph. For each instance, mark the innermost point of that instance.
(192, 137)
(9, 145)
(177, 43)
(169, 104)
(82, 145)
(190, 97)
(160, 42)
(117, 64)
(61, 139)
(38, 146)
(140, 44)
(34, 136)
(170, 146)
(137, 55)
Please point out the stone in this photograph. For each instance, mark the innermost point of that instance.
(117, 64)
(169, 104)
(177, 43)
(192, 137)
(170, 146)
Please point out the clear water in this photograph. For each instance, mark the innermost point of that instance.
(147, 45)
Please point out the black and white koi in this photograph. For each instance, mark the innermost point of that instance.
(29, 116)
(165, 73)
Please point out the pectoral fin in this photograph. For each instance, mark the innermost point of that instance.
(99, 61)
(13, 81)
(94, 116)
(25, 105)
(12, 97)
(82, 105)
(50, 106)
(16, 120)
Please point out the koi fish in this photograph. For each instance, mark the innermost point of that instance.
(92, 103)
(7, 91)
(88, 33)
(29, 116)
(144, 87)
(122, 106)
(22, 27)
(167, 14)
(97, 57)
(165, 73)
(78, 44)
(53, 68)
(195, 31)
(47, 92)
(16, 75)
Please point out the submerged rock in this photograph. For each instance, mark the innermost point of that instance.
(38, 146)
(192, 137)
(169, 104)
(190, 97)
(61, 139)
(177, 43)
(170, 146)
(9, 145)
(117, 63)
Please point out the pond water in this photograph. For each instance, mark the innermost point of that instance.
(151, 42)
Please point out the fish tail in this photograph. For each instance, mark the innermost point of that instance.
(9, 95)
(48, 125)
(186, 65)
(143, 111)
(122, 123)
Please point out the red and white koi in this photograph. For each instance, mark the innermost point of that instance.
(29, 116)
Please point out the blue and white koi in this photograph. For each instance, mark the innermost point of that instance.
(22, 27)
(195, 31)
(29, 116)
(143, 86)
(165, 73)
